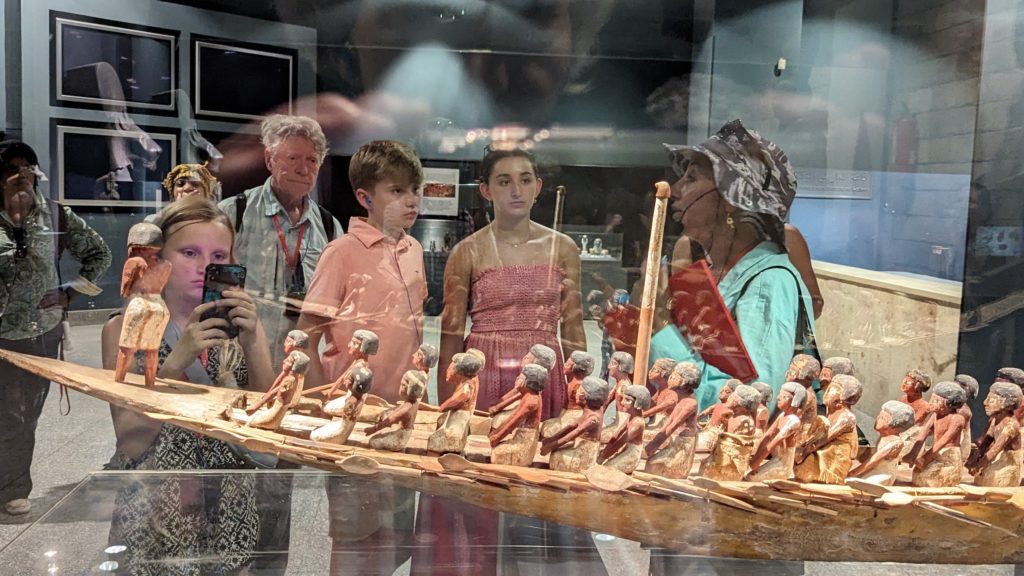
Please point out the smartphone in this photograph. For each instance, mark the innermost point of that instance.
(221, 277)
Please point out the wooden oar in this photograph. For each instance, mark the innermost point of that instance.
(896, 498)
(608, 479)
(533, 476)
(559, 206)
(643, 339)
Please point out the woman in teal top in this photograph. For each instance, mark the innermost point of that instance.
(732, 198)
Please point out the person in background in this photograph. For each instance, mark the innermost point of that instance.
(32, 305)
(187, 180)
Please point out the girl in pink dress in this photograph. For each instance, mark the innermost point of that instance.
(519, 282)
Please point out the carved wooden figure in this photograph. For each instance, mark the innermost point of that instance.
(453, 426)
(763, 412)
(669, 395)
(414, 385)
(970, 387)
(804, 370)
(942, 464)
(833, 454)
(539, 354)
(780, 438)
(345, 409)
(624, 449)
(574, 448)
(620, 375)
(998, 455)
(670, 451)
(515, 441)
(1013, 376)
(364, 343)
(577, 367)
(425, 358)
(731, 450)
(145, 315)
(894, 418)
(832, 367)
(914, 386)
(295, 344)
(718, 415)
(270, 417)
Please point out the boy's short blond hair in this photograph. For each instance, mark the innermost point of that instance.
(382, 159)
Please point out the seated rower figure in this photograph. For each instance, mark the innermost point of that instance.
(576, 368)
(805, 370)
(717, 415)
(971, 389)
(574, 448)
(763, 412)
(539, 354)
(624, 450)
(345, 409)
(364, 343)
(1013, 376)
(894, 419)
(670, 452)
(831, 368)
(515, 442)
(295, 344)
(942, 464)
(270, 418)
(414, 385)
(731, 450)
(997, 458)
(425, 358)
(780, 439)
(671, 393)
(834, 454)
(453, 426)
(914, 386)
(620, 375)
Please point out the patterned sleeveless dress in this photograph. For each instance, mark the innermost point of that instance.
(513, 308)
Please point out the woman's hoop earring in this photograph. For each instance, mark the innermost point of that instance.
(729, 221)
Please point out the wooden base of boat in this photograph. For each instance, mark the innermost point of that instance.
(779, 520)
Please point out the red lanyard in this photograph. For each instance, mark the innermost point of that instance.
(294, 260)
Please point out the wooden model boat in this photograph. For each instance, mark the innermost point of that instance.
(780, 520)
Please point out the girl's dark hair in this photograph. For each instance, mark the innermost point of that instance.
(495, 154)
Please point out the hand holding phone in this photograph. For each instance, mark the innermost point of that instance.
(221, 277)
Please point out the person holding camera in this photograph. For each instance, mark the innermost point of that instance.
(151, 519)
(33, 232)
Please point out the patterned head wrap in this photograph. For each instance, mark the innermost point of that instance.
(751, 172)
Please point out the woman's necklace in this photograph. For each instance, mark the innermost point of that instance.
(510, 242)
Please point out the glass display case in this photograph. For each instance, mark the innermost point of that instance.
(725, 184)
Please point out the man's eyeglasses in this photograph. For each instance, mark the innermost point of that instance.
(12, 169)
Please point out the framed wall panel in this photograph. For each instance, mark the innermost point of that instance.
(240, 80)
(96, 165)
(105, 64)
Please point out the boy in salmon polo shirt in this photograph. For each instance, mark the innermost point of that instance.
(372, 278)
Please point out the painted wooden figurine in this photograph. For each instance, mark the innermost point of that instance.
(295, 344)
(763, 412)
(731, 449)
(539, 354)
(657, 376)
(970, 387)
(578, 366)
(834, 454)
(620, 375)
(804, 370)
(345, 409)
(414, 385)
(624, 449)
(997, 458)
(1013, 376)
(364, 343)
(515, 442)
(145, 315)
(894, 418)
(717, 415)
(425, 358)
(270, 417)
(780, 438)
(453, 426)
(914, 386)
(670, 451)
(574, 448)
(942, 464)
(671, 393)
(832, 367)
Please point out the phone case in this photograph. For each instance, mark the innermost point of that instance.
(220, 277)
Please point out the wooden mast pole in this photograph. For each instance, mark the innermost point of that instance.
(643, 338)
(559, 204)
